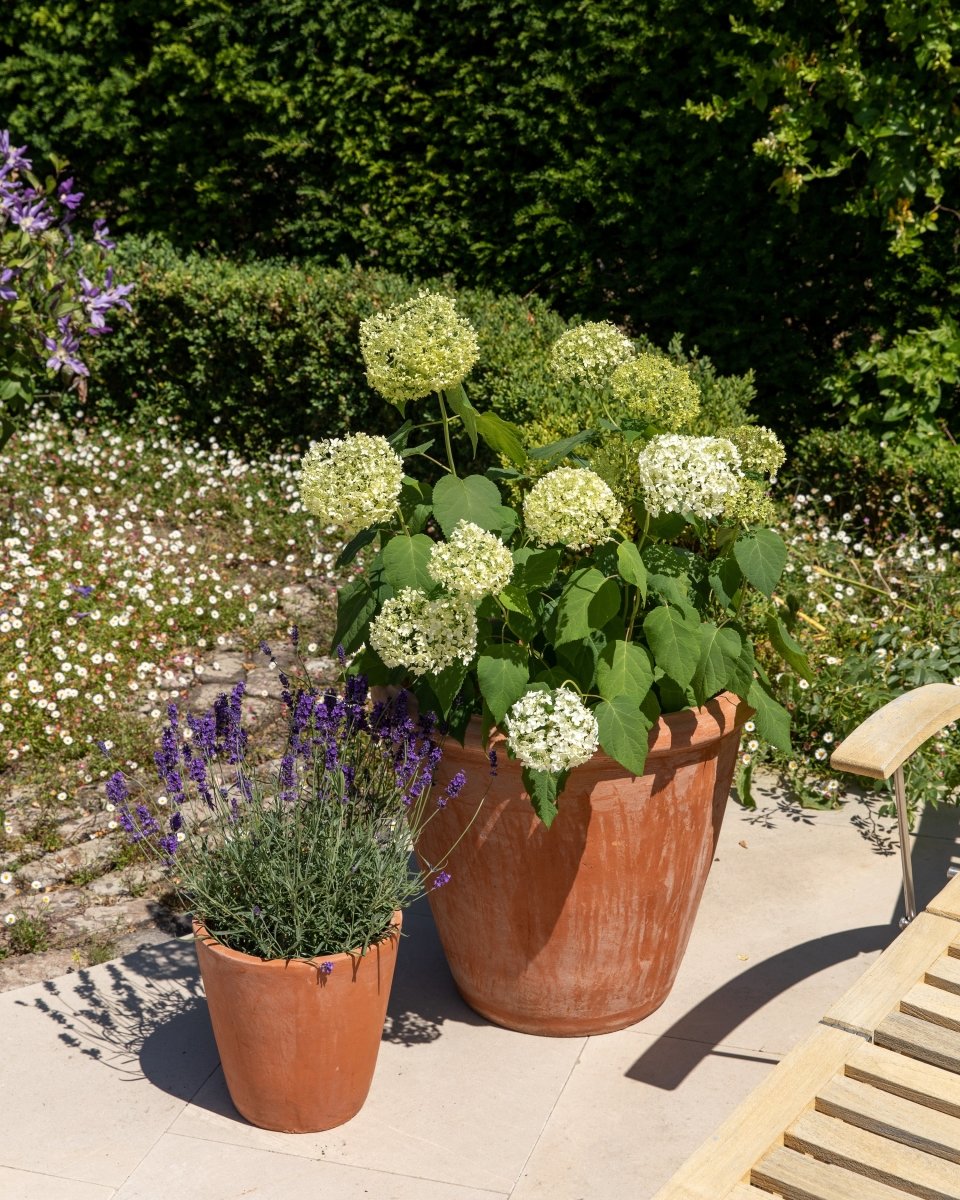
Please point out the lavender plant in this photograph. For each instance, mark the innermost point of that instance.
(612, 587)
(54, 289)
(313, 856)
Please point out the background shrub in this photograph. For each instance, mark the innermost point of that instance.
(622, 161)
(267, 353)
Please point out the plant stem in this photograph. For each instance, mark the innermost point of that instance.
(446, 433)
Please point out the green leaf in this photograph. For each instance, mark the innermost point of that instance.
(543, 788)
(456, 397)
(720, 650)
(675, 642)
(564, 446)
(788, 647)
(405, 562)
(514, 599)
(624, 732)
(534, 569)
(415, 503)
(741, 677)
(762, 556)
(624, 669)
(502, 437)
(355, 545)
(632, 567)
(473, 498)
(772, 719)
(726, 579)
(587, 602)
(356, 604)
(446, 685)
(504, 675)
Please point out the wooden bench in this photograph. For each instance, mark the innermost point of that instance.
(868, 1107)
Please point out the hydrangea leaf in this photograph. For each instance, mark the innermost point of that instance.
(355, 545)
(503, 674)
(588, 600)
(720, 650)
(356, 605)
(564, 446)
(446, 685)
(674, 639)
(624, 731)
(543, 788)
(502, 437)
(472, 498)
(624, 669)
(405, 562)
(726, 579)
(761, 556)
(535, 569)
(456, 397)
(788, 647)
(772, 719)
(632, 567)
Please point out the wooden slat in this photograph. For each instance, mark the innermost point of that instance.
(946, 903)
(725, 1159)
(933, 1005)
(901, 965)
(907, 1077)
(891, 1117)
(920, 1039)
(797, 1177)
(945, 973)
(860, 1151)
(744, 1191)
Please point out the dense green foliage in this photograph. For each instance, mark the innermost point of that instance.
(567, 149)
(269, 352)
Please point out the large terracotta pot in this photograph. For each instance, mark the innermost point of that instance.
(298, 1046)
(580, 928)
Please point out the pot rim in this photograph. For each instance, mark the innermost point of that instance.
(201, 934)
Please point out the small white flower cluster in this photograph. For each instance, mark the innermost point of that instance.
(353, 482)
(552, 731)
(418, 347)
(589, 353)
(424, 635)
(472, 563)
(570, 506)
(698, 475)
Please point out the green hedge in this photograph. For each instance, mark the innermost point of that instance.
(267, 353)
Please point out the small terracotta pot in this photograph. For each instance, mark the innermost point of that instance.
(298, 1046)
(580, 928)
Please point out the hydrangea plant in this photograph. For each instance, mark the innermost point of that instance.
(55, 291)
(574, 592)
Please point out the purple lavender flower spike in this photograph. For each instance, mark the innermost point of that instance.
(295, 635)
(341, 655)
(326, 968)
(441, 879)
(117, 789)
(492, 758)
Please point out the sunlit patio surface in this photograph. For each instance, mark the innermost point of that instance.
(112, 1088)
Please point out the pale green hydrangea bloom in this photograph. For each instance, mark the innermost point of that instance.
(552, 731)
(760, 449)
(589, 353)
(472, 562)
(571, 506)
(424, 635)
(418, 347)
(698, 475)
(750, 505)
(652, 388)
(353, 481)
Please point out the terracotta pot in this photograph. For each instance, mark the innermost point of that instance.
(580, 928)
(298, 1046)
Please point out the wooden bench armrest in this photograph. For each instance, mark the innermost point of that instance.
(887, 738)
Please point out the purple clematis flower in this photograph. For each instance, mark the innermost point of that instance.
(6, 275)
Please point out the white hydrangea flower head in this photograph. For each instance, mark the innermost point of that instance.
(760, 449)
(418, 347)
(571, 506)
(589, 353)
(353, 481)
(552, 731)
(652, 388)
(424, 635)
(699, 475)
(472, 563)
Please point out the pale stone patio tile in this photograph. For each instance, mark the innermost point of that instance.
(613, 1136)
(191, 1169)
(100, 1062)
(29, 1185)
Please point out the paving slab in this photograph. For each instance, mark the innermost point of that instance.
(185, 1169)
(30, 1185)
